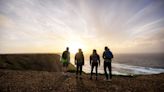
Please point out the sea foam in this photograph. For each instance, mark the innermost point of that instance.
(124, 69)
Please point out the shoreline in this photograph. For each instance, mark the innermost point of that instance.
(43, 73)
(72, 69)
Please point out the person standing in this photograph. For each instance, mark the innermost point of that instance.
(65, 59)
(79, 62)
(94, 62)
(107, 56)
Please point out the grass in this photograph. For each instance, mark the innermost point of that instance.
(71, 68)
(43, 62)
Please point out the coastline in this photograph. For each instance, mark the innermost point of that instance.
(17, 74)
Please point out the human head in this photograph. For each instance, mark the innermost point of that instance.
(67, 48)
(80, 50)
(94, 51)
(106, 48)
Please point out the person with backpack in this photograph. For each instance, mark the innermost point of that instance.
(94, 62)
(107, 56)
(65, 59)
(79, 62)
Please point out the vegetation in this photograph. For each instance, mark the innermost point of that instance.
(41, 62)
(71, 68)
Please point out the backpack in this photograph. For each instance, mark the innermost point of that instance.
(79, 56)
(108, 55)
(64, 55)
(95, 58)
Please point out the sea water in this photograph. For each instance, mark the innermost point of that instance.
(132, 64)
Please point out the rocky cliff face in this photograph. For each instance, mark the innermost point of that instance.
(43, 62)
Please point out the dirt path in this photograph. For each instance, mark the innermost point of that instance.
(42, 81)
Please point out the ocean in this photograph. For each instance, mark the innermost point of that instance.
(132, 64)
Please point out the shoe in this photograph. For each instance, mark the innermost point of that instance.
(96, 77)
(76, 76)
(109, 80)
(104, 79)
(80, 77)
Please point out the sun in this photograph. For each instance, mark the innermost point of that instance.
(74, 46)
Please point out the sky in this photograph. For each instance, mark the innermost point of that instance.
(39, 26)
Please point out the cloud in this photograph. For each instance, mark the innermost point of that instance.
(6, 22)
(150, 43)
(123, 25)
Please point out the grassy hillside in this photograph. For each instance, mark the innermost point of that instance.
(43, 62)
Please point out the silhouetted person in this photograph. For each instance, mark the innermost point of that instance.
(107, 56)
(65, 59)
(94, 62)
(79, 62)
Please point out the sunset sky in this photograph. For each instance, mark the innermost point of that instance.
(126, 26)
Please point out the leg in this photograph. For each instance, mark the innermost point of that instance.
(96, 69)
(110, 70)
(63, 68)
(67, 66)
(77, 69)
(80, 69)
(91, 70)
(105, 70)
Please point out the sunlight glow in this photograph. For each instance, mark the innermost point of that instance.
(74, 46)
(125, 26)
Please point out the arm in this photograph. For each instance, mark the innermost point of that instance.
(90, 59)
(61, 59)
(75, 59)
(103, 55)
(68, 57)
(112, 55)
(83, 58)
(99, 59)
(62, 55)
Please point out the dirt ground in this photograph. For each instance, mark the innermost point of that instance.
(43, 81)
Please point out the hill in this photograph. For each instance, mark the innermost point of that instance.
(41, 62)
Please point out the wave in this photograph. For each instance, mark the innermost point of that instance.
(124, 69)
